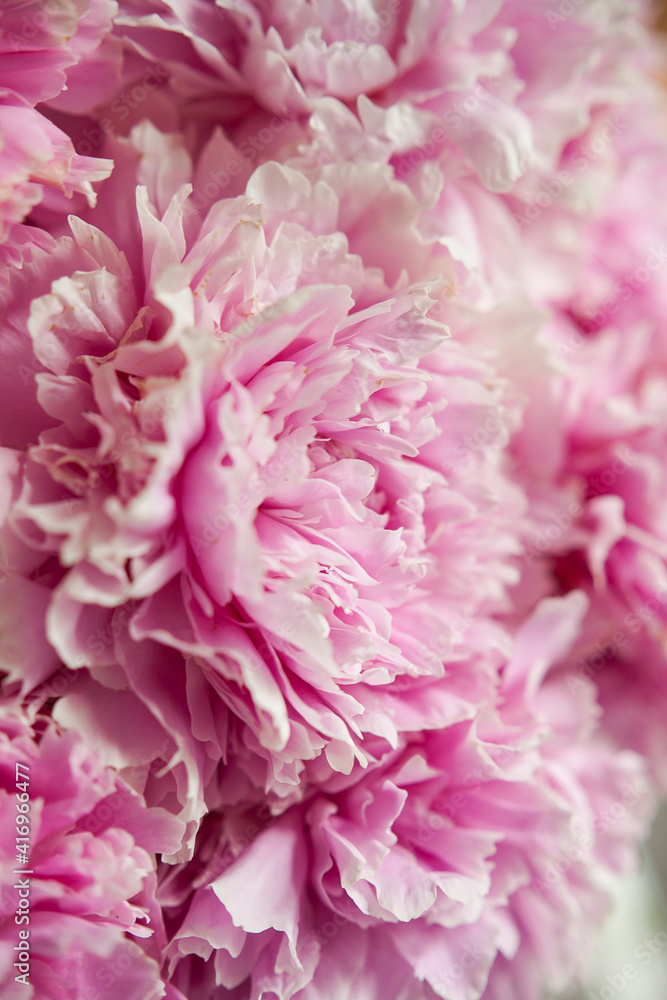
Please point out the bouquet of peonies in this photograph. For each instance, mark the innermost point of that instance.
(333, 546)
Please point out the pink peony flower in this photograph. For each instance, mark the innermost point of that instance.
(332, 556)
(493, 89)
(88, 903)
(246, 457)
(38, 42)
(464, 862)
(597, 510)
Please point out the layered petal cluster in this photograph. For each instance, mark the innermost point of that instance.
(598, 487)
(460, 866)
(81, 889)
(247, 467)
(332, 549)
(490, 89)
(39, 41)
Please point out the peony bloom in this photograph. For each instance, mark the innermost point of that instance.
(332, 557)
(239, 463)
(436, 868)
(38, 42)
(88, 902)
(493, 90)
(597, 489)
